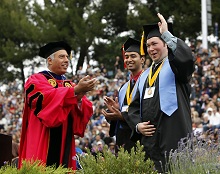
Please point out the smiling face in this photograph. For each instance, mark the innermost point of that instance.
(134, 62)
(60, 63)
(156, 49)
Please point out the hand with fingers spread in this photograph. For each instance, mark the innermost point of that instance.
(162, 24)
(146, 128)
(113, 107)
(85, 84)
(109, 102)
(115, 114)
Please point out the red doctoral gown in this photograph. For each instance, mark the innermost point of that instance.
(48, 104)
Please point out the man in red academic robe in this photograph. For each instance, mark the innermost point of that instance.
(55, 110)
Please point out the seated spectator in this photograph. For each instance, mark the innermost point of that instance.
(97, 148)
(197, 126)
(213, 120)
(98, 140)
(111, 147)
(78, 148)
(205, 123)
(86, 145)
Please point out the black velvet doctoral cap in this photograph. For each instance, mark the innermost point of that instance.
(132, 45)
(52, 47)
(152, 30)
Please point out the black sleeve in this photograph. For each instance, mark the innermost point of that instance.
(182, 61)
(113, 124)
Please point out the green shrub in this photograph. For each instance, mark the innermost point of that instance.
(34, 167)
(104, 163)
(124, 163)
(193, 156)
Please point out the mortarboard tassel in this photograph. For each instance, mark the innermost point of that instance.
(142, 45)
(123, 55)
(71, 55)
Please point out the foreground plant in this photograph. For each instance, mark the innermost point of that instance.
(196, 155)
(124, 163)
(34, 167)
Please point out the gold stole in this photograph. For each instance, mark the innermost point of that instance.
(151, 79)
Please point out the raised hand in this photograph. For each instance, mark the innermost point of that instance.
(162, 24)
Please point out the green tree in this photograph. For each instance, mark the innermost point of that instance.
(187, 15)
(215, 16)
(114, 14)
(74, 21)
(95, 29)
(17, 34)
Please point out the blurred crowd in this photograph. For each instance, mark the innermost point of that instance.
(205, 101)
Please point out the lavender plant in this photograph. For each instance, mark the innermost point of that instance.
(196, 154)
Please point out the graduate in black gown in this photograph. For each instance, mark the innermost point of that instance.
(134, 62)
(160, 111)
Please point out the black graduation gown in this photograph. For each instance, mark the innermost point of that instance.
(169, 129)
(122, 131)
(123, 134)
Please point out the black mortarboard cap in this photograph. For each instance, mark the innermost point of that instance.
(132, 45)
(52, 47)
(152, 30)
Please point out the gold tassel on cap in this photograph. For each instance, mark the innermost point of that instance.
(142, 45)
(71, 55)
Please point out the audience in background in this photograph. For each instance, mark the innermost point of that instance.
(205, 101)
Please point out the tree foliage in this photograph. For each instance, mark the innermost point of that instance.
(17, 37)
(95, 29)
